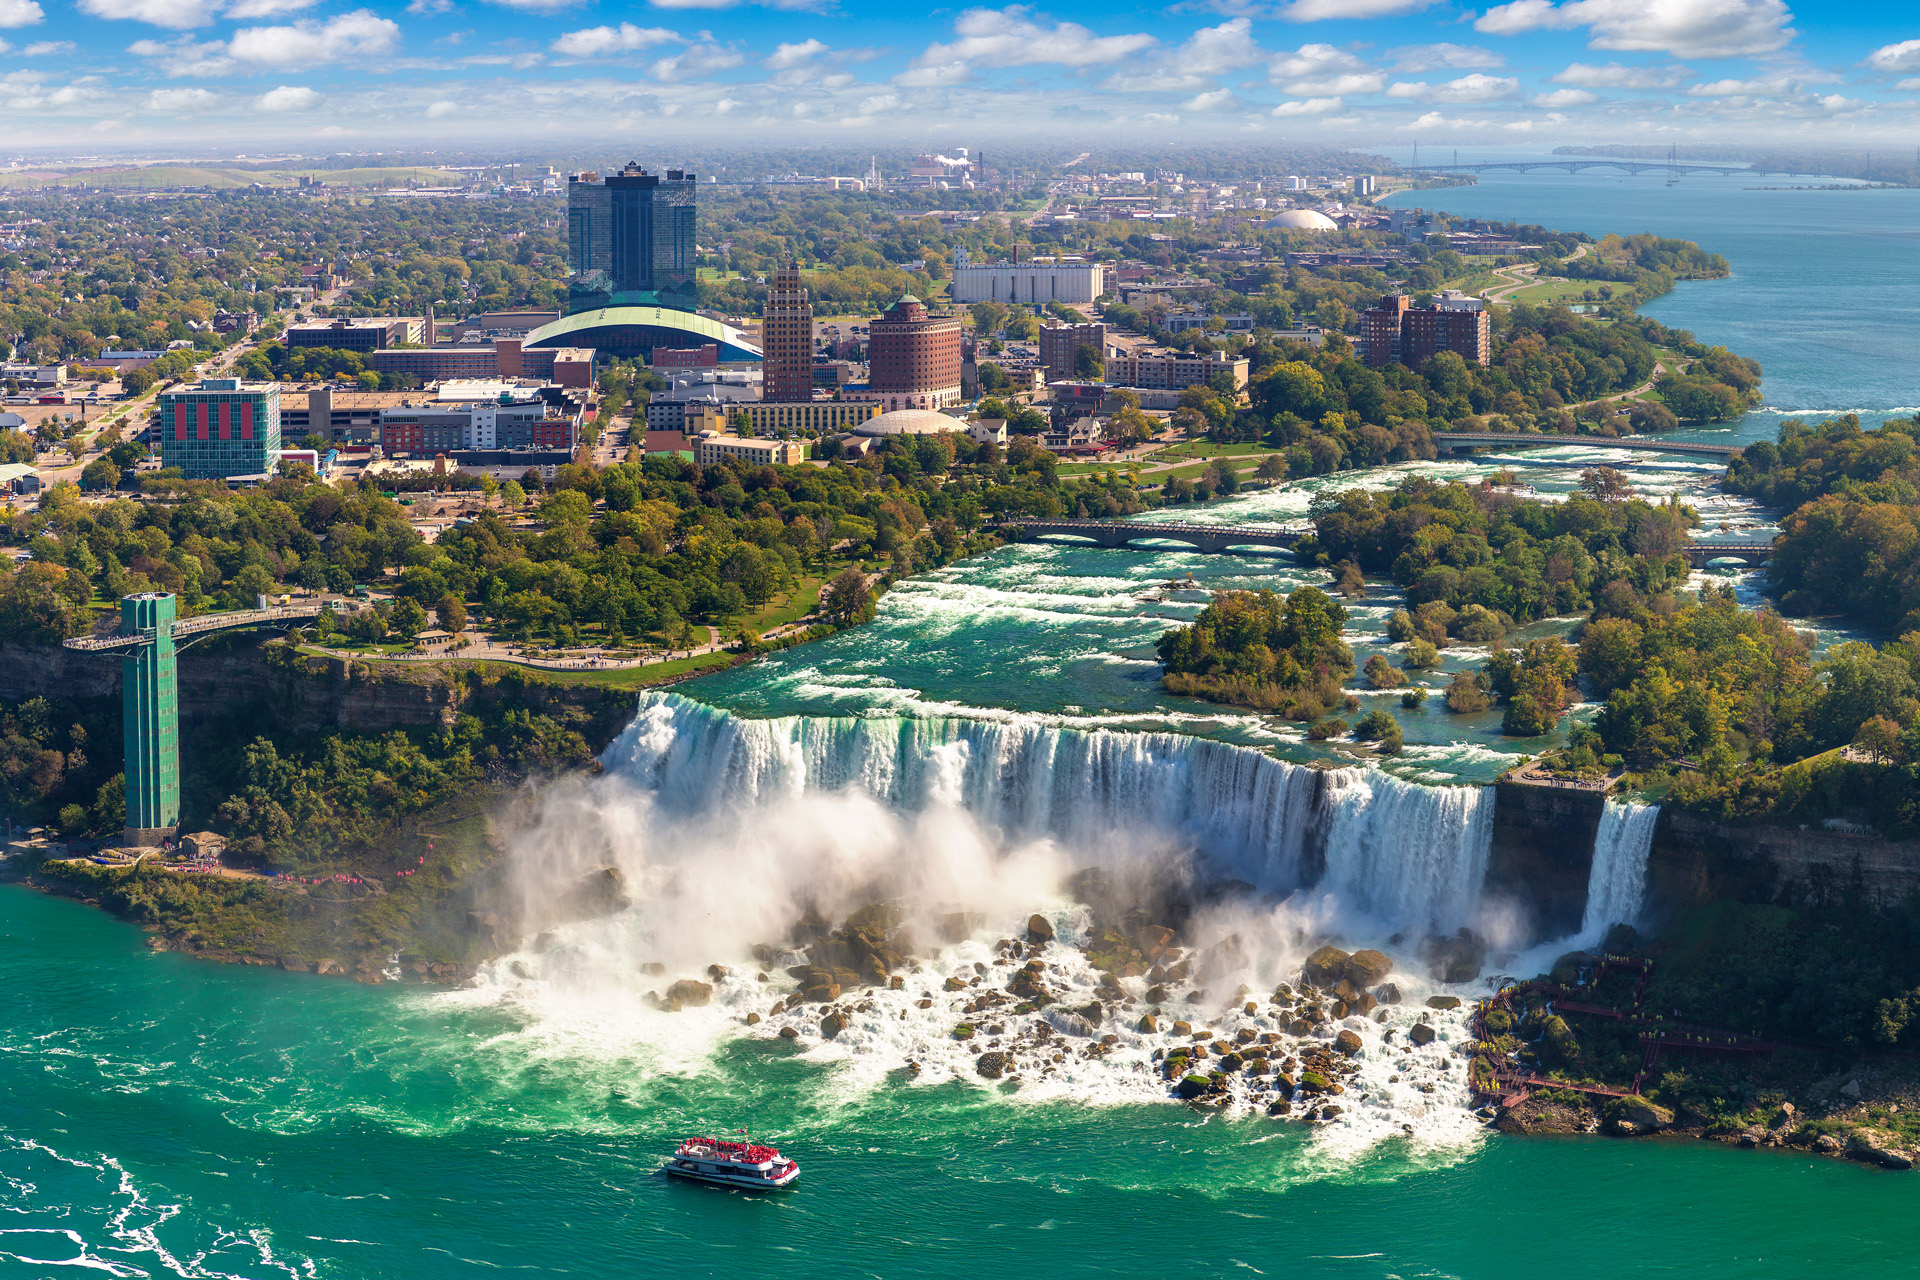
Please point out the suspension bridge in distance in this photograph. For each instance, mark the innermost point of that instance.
(149, 641)
(1577, 165)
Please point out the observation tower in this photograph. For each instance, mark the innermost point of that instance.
(150, 639)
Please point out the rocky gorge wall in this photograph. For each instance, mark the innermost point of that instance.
(1542, 855)
(1698, 859)
(304, 692)
(1541, 861)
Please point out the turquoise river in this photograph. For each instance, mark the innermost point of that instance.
(996, 728)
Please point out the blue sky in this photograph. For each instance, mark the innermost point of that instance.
(1352, 72)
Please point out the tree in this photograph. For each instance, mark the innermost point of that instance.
(407, 620)
(846, 600)
(512, 495)
(1605, 484)
(1272, 467)
(451, 614)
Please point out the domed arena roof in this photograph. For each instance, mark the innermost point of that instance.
(1304, 220)
(908, 422)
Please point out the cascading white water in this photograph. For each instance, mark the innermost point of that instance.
(1617, 885)
(1407, 855)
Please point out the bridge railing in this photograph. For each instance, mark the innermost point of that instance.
(103, 644)
(196, 626)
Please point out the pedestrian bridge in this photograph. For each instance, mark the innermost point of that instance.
(1751, 554)
(1211, 538)
(1457, 440)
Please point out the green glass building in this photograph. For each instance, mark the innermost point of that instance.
(150, 710)
(221, 428)
(630, 240)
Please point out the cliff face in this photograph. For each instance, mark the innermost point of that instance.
(308, 693)
(1696, 859)
(1542, 855)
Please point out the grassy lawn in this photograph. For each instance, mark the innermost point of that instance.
(1554, 289)
(788, 606)
(1208, 449)
(640, 677)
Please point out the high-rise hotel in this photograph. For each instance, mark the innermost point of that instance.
(630, 240)
(222, 428)
(786, 338)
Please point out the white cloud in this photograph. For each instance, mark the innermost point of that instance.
(1473, 88)
(1908, 85)
(595, 42)
(879, 102)
(20, 13)
(182, 57)
(934, 77)
(181, 101)
(1740, 88)
(535, 6)
(1565, 98)
(1308, 107)
(697, 61)
(1322, 10)
(266, 8)
(1210, 101)
(786, 57)
(798, 5)
(176, 15)
(1324, 71)
(1615, 75)
(424, 7)
(442, 109)
(1208, 53)
(1009, 38)
(1684, 28)
(1444, 57)
(1477, 88)
(42, 48)
(360, 34)
(288, 97)
(1904, 56)
(29, 91)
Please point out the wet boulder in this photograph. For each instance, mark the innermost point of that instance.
(1635, 1115)
(1348, 1043)
(598, 893)
(1443, 1002)
(1148, 1024)
(1039, 928)
(1364, 968)
(691, 994)
(1325, 967)
(1387, 993)
(990, 1066)
(1455, 959)
(1421, 1034)
(1877, 1146)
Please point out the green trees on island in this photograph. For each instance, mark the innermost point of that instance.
(1262, 650)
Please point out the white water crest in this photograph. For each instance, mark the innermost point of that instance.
(1617, 885)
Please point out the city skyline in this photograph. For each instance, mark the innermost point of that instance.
(1372, 73)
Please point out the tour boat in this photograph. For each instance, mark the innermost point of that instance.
(732, 1164)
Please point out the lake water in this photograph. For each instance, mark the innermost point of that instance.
(160, 1116)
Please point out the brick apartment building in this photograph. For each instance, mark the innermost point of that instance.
(1396, 330)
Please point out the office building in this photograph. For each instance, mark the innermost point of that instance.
(1396, 330)
(221, 428)
(1034, 283)
(786, 337)
(367, 334)
(1060, 346)
(718, 448)
(630, 240)
(913, 357)
(478, 416)
(766, 418)
(1173, 370)
(500, 358)
(703, 357)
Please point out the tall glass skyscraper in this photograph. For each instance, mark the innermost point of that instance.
(630, 240)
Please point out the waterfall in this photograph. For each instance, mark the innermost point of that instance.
(1617, 884)
(1408, 855)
